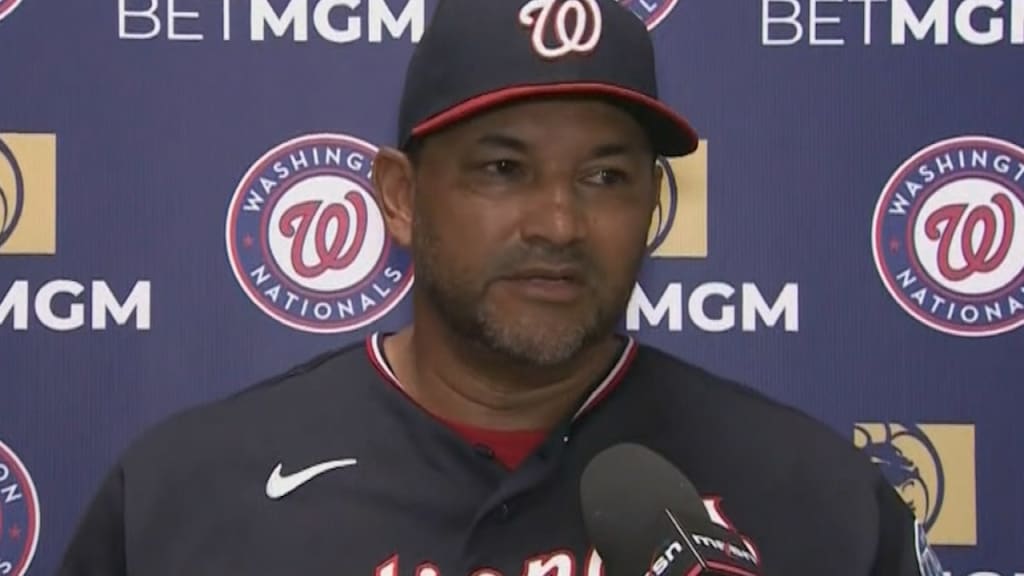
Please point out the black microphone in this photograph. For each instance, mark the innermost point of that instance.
(645, 518)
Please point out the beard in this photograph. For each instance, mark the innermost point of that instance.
(538, 338)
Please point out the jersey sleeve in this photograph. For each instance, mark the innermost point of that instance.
(902, 547)
(97, 547)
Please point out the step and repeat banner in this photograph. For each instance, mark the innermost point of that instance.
(849, 238)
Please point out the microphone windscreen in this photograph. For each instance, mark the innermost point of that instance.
(624, 493)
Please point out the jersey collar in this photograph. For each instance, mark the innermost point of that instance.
(374, 348)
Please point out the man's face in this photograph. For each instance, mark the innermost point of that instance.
(530, 224)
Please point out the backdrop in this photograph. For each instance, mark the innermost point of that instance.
(848, 238)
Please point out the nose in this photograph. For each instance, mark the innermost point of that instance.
(554, 214)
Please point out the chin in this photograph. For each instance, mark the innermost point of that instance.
(540, 340)
(540, 352)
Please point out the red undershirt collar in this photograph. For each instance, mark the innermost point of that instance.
(510, 447)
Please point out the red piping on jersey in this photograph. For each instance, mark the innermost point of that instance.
(377, 359)
(612, 379)
(610, 382)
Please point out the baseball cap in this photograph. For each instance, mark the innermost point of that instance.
(479, 54)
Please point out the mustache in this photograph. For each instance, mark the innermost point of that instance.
(526, 257)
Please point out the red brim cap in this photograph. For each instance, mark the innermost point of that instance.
(670, 133)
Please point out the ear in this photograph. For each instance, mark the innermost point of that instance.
(393, 184)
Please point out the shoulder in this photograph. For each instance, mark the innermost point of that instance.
(784, 444)
(774, 467)
(665, 374)
(263, 411)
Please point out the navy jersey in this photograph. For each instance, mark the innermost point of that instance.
(331, 470)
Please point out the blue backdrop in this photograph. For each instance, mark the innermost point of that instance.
(849, 238)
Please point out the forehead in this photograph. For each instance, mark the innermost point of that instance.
(551, 120)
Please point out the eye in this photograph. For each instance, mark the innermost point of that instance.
(607, 177)
(503, 167)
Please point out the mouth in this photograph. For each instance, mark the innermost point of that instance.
(565, 274)
(552, 285)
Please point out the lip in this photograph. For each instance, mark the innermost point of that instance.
(553, 285)
(564, 274)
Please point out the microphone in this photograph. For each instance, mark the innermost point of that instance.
(645, 518)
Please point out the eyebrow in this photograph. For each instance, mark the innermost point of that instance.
(612, 149)
(496, 140)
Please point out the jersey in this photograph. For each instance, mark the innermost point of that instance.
(331, 469)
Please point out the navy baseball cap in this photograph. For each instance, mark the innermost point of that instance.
(479, 54)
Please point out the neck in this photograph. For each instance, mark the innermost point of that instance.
(458, 380)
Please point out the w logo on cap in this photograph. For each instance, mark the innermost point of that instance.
(575, 25)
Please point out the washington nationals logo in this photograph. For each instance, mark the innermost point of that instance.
(19, 515)
(574, 24)
(948, 240)
(307, 242)
(349, 219)
(12, 193)
(6, 7)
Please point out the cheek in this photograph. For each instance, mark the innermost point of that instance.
(621, 243)
(462, 242)
(620, 263)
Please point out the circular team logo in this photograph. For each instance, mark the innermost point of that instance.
(652, 12)
(307, 241)
(19, 515)
(11, 192)
(948, 236)
(7, 6)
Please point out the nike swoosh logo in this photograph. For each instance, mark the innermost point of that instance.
(279, 486)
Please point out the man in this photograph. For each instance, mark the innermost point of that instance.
(524, 184)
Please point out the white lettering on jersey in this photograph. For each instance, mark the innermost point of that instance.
(553, 564)
(562, 562)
